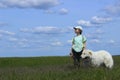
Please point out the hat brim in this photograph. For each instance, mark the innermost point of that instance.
(77, 28)
(74, 28)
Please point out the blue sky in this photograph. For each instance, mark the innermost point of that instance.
(45, 27)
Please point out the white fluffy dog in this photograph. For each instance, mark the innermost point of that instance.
(99, 57)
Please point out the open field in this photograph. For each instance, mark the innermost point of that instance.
(54, 68)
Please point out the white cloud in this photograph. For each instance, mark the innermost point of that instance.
(1, 36)
(23, 45)
(63, 11)
(24, 40)
(98, 31)
(56, 43)
(49, 11)
(18, 42)
(93, 36)
(69, 41)
(95, 41)
(6, 32)
(100, 20)
(46, 30)
(38, 4)
(114, 9)
(2, 24)
(44, 36)
(111, 42)
(2, 5)
(13, 39)
(25, 30)
(84, 23)
(94, 22)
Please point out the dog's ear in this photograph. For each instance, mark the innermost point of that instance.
(90, 53)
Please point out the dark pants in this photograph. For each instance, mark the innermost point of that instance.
(76, 57)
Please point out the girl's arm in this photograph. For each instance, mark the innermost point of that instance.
(84, 45)
(71, 54)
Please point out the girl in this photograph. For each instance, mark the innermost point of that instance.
(78, 44)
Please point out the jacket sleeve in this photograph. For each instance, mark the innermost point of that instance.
(84, 39)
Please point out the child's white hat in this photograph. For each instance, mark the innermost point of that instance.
(78, 27)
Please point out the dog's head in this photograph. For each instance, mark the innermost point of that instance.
(86, 53)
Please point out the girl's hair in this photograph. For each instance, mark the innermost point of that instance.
(80, 31)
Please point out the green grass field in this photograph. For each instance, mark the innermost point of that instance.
(54, 68)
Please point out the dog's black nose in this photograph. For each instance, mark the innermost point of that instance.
(86, 58)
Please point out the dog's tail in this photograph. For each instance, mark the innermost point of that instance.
(110, 63)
